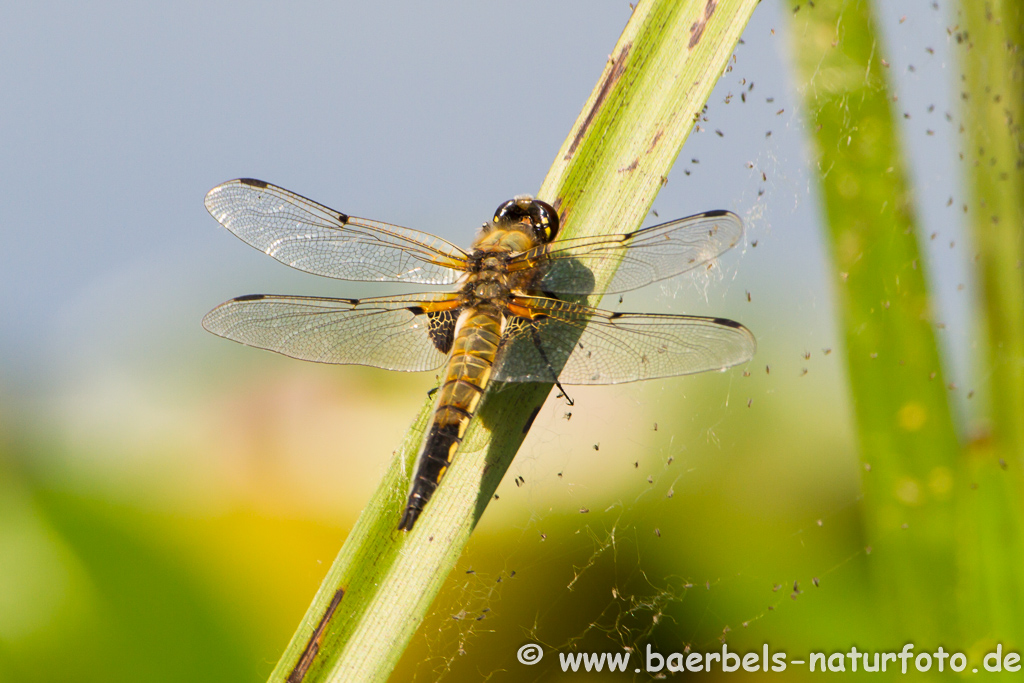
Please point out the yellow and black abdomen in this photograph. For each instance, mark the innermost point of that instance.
(469, 369)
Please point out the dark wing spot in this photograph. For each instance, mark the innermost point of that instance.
(253, 182)
(728, 323)
(353, 302)
(441, 327)
(717, 213)
(343, 218)
(250, 297)
(613, 316)
(416, 310)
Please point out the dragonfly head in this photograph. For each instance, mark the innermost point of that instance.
(541, 216)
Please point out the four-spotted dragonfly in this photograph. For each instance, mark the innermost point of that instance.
(504, 320)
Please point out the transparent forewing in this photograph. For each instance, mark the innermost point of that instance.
(638, 258)
(598, 347)
(394, 333)
(311, 237)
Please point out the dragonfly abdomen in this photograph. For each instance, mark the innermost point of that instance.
(469, 370)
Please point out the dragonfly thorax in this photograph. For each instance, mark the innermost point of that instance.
(489, 279)
(490, 290)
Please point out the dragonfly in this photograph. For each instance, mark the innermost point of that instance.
(510, 315)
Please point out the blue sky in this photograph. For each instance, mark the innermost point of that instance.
(117, 118)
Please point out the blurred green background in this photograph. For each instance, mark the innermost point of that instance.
(170, 502)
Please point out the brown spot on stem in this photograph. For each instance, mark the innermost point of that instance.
(697, 30)
(632, 166)
(654, 142)
(618, 67)
(313, 646)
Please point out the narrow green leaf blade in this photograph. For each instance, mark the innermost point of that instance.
(908, 443)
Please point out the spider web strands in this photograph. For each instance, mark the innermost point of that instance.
(663, 69)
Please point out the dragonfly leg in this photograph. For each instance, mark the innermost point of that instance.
(543, 354)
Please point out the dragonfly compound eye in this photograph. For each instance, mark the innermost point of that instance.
(542, 216)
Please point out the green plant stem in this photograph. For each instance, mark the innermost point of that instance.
(993, 98)
(908, 443)
(604, 180)
(991, 524)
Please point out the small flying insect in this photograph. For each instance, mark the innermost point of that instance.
(505, 320)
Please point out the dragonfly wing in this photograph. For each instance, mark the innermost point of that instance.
(574, 266)
(311, 237)
(590, 346)
(408, 333)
